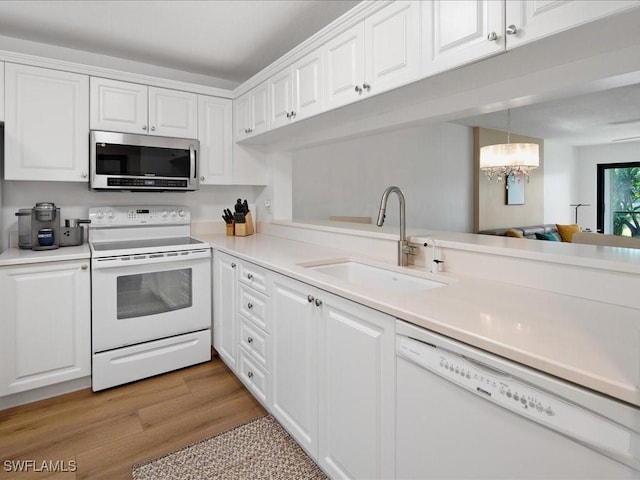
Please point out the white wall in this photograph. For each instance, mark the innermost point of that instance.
(560, 183)
(432, 164)
(588, 159)
(74, 198)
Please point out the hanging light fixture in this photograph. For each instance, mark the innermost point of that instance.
(509, 159)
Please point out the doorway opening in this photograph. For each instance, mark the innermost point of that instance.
(619, 199)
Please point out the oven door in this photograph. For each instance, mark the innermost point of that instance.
(140, 298)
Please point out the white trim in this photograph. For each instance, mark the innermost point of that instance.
(357, 14)
(94, 71)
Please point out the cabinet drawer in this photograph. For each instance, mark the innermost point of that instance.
(253, 305)
(253, 376)
(254, 341)
(254, 276)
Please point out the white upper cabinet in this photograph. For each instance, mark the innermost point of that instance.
(344, 61)
(529, 20)
(132, 108)
(214, 133)
(392, 46)
(118, 106)
(379, 54)
(296, 92)
(173, 113)
(251, 112)
(46, 124)
(1, 92)
(281, 98)
(457, 32)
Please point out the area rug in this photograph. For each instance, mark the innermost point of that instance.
(260, 449)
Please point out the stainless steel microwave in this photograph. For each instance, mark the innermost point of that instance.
(123, 161)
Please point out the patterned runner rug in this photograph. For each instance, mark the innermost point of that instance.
(260, 449)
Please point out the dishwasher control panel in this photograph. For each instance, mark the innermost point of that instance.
(500, 388)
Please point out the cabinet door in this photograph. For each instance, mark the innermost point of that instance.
(344, 67)
(1, 92)
(46, 124)
(308, 92)
(173, 113)
(242, 116)
(118, 106)
(294, 373)
(46, 341)
(457, 32)
(259, 109)
(392, 46)
(224, 308)
(535, 19)
(214, 133)
(357, 389)
(280, 98)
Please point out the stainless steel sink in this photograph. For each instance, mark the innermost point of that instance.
(368, 275)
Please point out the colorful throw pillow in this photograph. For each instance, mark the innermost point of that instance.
(512, 232)
(553, 237)
(566, 231)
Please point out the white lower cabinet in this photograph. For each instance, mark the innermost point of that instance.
(1, 91)
(333, 380)
(45, 324)
(225, 341)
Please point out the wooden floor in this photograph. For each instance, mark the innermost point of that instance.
(105, 433)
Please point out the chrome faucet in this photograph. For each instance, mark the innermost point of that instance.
(404, 249)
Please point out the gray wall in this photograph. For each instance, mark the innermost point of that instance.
(432, 165)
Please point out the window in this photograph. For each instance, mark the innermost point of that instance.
(619, 199)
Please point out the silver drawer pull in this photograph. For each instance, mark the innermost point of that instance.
(249, 276)
(249, 305)
(250, 374)
(249, 340)
(318, 302)
(310, 298)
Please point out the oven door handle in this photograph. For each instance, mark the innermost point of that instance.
(131, 261)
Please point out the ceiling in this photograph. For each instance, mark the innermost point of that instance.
(595, 118)
(226, 39)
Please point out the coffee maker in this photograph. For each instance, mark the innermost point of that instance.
(45, 226)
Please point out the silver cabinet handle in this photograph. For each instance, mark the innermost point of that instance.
(493, 36)
(512, 30)
(202, 179)
(366, 86)
(84, 175)
(288, 115)
(318, 302)
(250, 374)
(249, 340)
(84, 266)
(310, 298)
(293, 114)
(144, 127)
(249, 276)
(358, 89)
(233, 265)
(153, 129)
(249, 305)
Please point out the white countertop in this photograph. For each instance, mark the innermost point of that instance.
(17, 256)
(590, 343)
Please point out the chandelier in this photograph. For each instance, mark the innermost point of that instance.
(509, 159)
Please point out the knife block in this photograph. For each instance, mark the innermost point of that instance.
(245, 229)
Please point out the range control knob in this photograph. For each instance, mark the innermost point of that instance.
(173, 213)
(164, 213)
(111, 215)
(182, 213)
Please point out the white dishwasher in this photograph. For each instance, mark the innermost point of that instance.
(463, 413)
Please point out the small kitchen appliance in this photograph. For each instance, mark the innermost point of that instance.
(72, 234)
(24, 228)
(45, 226)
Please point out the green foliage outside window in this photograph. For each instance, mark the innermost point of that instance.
(625, 199)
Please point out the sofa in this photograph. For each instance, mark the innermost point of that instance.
(585, 238)
(524, 232)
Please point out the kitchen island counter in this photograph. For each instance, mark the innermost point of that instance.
(590, 343)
